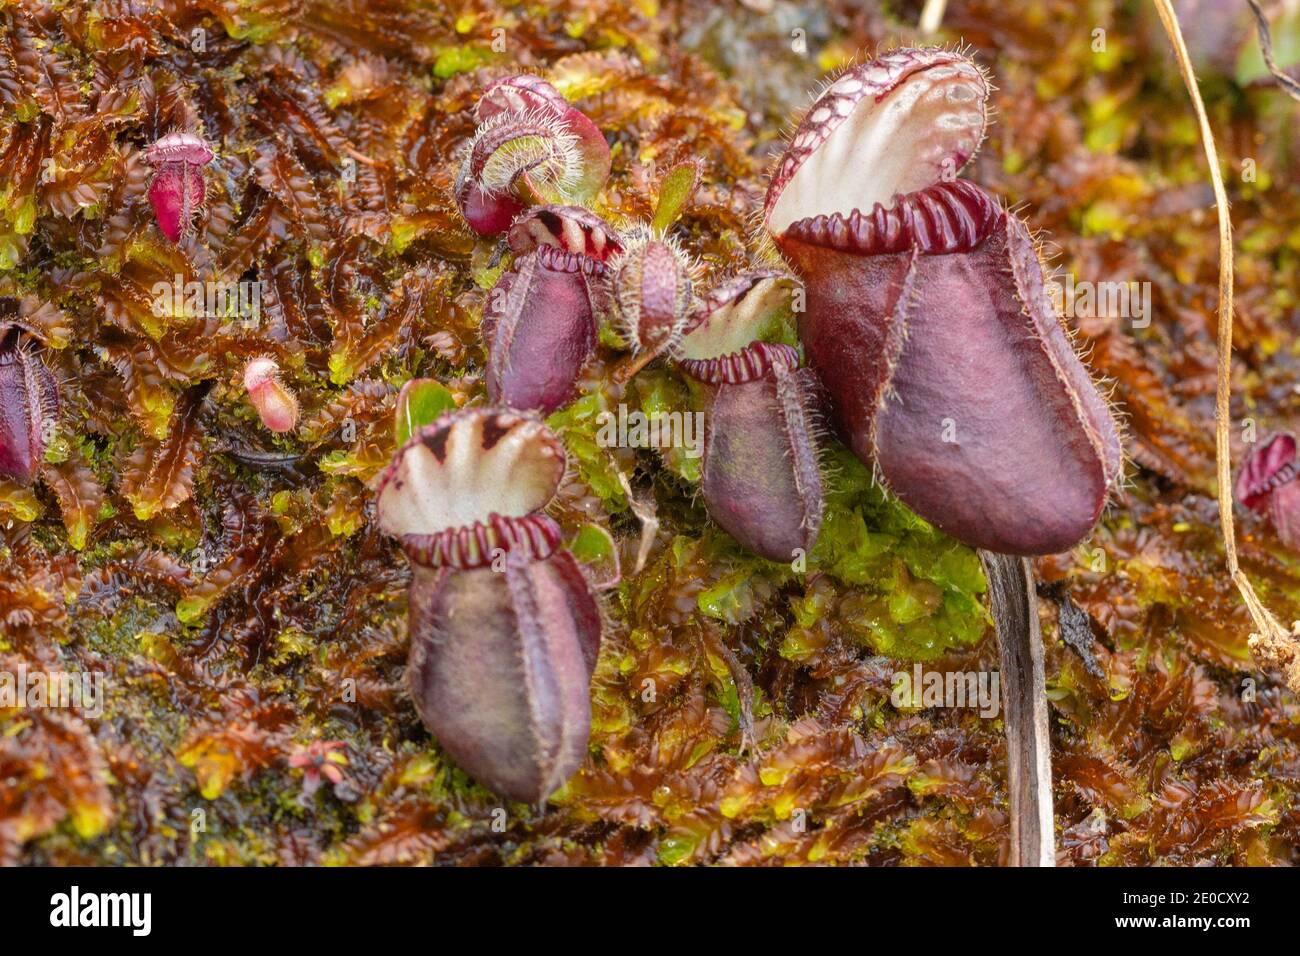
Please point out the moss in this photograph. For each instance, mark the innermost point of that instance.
(242, 605)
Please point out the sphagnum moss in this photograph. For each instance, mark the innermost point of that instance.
(233, 587)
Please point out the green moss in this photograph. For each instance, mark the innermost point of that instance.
(918, 591)
(461, 59)
(578, 425)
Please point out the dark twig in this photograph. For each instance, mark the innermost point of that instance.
(1024, 708)
(256, 458)
(1074, 626)
(1284, 79)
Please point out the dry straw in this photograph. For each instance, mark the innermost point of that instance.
(1272, 644)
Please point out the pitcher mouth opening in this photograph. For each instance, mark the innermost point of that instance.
(898, 125)
(566, 232)
(734, 333)
(470, 483)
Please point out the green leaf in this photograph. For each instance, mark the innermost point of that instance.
(674, 193)
(594, 546)
(420, 403)
(191, 609)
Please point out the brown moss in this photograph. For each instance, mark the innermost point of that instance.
(233, 590)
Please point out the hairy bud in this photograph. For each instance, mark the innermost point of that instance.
(275, 403)
(649, 292)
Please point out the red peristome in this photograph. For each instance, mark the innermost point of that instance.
(500, 668)
(535, 536)
(29, 398)
(1266, 469)
(572, 229)
(539, 330)
(179, 148)
(945, 217)
(750, 363)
